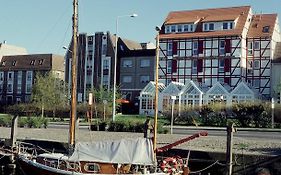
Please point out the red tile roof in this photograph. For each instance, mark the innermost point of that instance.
(207, 15)
(259, 21)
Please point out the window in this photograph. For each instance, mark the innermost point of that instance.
(185, 28)
(194, 66)
(191, 27)
(10, 76)
(19, 83)
(169, 66)
(169, 49)
(256, 64)
(145, 63)
(231, 25)
(256, 45)
(41, 62)
(250, 48)
(179, 28)
(205, 27)
(127, 79)
(29, 76)
(221, 65)
(144, 79)
(195, 47)
(10, 87)
(32, 62)
(1, 76)
(168, 29)
(105, 64)
(225, 25)
(105, 80)
(104, 49)
(256, 83)
(3, 63)
(128, 63)
(173, 28)
(211, 26)
(222, 47)
(14, 63)
(265, 29)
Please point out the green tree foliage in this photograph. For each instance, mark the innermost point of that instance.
(101, 95)
(48, 92)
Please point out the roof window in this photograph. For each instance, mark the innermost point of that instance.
(3, 63)
(41, 61)
(32, 62)
(265, 29)
(14, 63)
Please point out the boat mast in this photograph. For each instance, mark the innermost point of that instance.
(156, 95)
(73, 113)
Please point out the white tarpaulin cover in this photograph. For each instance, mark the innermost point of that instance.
(126, 151)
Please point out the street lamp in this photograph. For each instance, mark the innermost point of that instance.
(115, 64)
(173, 98)
(272, 112)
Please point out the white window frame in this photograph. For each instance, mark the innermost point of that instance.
(169, 48)
(173, 28)
(256, 45)
(250, 47)
(221, 65)
(194, 66)
(180, 28)
(256, 64)
(186, 28)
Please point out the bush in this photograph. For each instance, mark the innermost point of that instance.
(6, 121)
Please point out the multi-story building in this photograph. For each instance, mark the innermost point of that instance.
(226, 45)
(17, 74)
(96, 64)
(6, 49)
(137, 67)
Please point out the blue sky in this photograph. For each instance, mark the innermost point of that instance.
(44, 26)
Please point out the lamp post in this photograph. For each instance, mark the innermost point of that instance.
(173, 98)
(272, 112)
(115, 64)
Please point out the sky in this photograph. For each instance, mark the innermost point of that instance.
(45, 26)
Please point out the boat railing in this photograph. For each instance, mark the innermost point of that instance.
(24, 147)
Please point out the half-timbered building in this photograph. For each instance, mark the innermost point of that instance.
(226, 45)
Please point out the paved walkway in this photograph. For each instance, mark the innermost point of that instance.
(209, 143)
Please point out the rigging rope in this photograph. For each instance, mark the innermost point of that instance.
(199, 171)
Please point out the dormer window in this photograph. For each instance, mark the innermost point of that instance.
(168, 29)
(209, 26)
(265, 29)
(185, 28)
(3, 63)
(179, 28)
(14, 63)
(41, 61)
(173, 28)
(32, 62)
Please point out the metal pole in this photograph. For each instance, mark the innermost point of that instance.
(230, 130)
(156, 96)
(73, 78)
(272, 112)
(114, 72)
(172, 119)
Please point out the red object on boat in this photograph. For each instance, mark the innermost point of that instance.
(169, 146)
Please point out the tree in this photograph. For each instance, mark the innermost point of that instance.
(100, 96)
(48, 92)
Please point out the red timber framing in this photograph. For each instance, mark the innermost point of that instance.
(259, 64)
(205, 60)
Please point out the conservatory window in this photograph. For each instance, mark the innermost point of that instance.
(143, 103)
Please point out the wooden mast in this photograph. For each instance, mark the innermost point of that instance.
(156, 96)
(73, 113)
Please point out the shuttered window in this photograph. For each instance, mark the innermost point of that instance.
(174, 66)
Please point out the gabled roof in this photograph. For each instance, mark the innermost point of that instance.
(174, 88)
(218, 88)
(191, 88)
(207, 15)
(259, 21)
(242, 88)
(150, 88)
